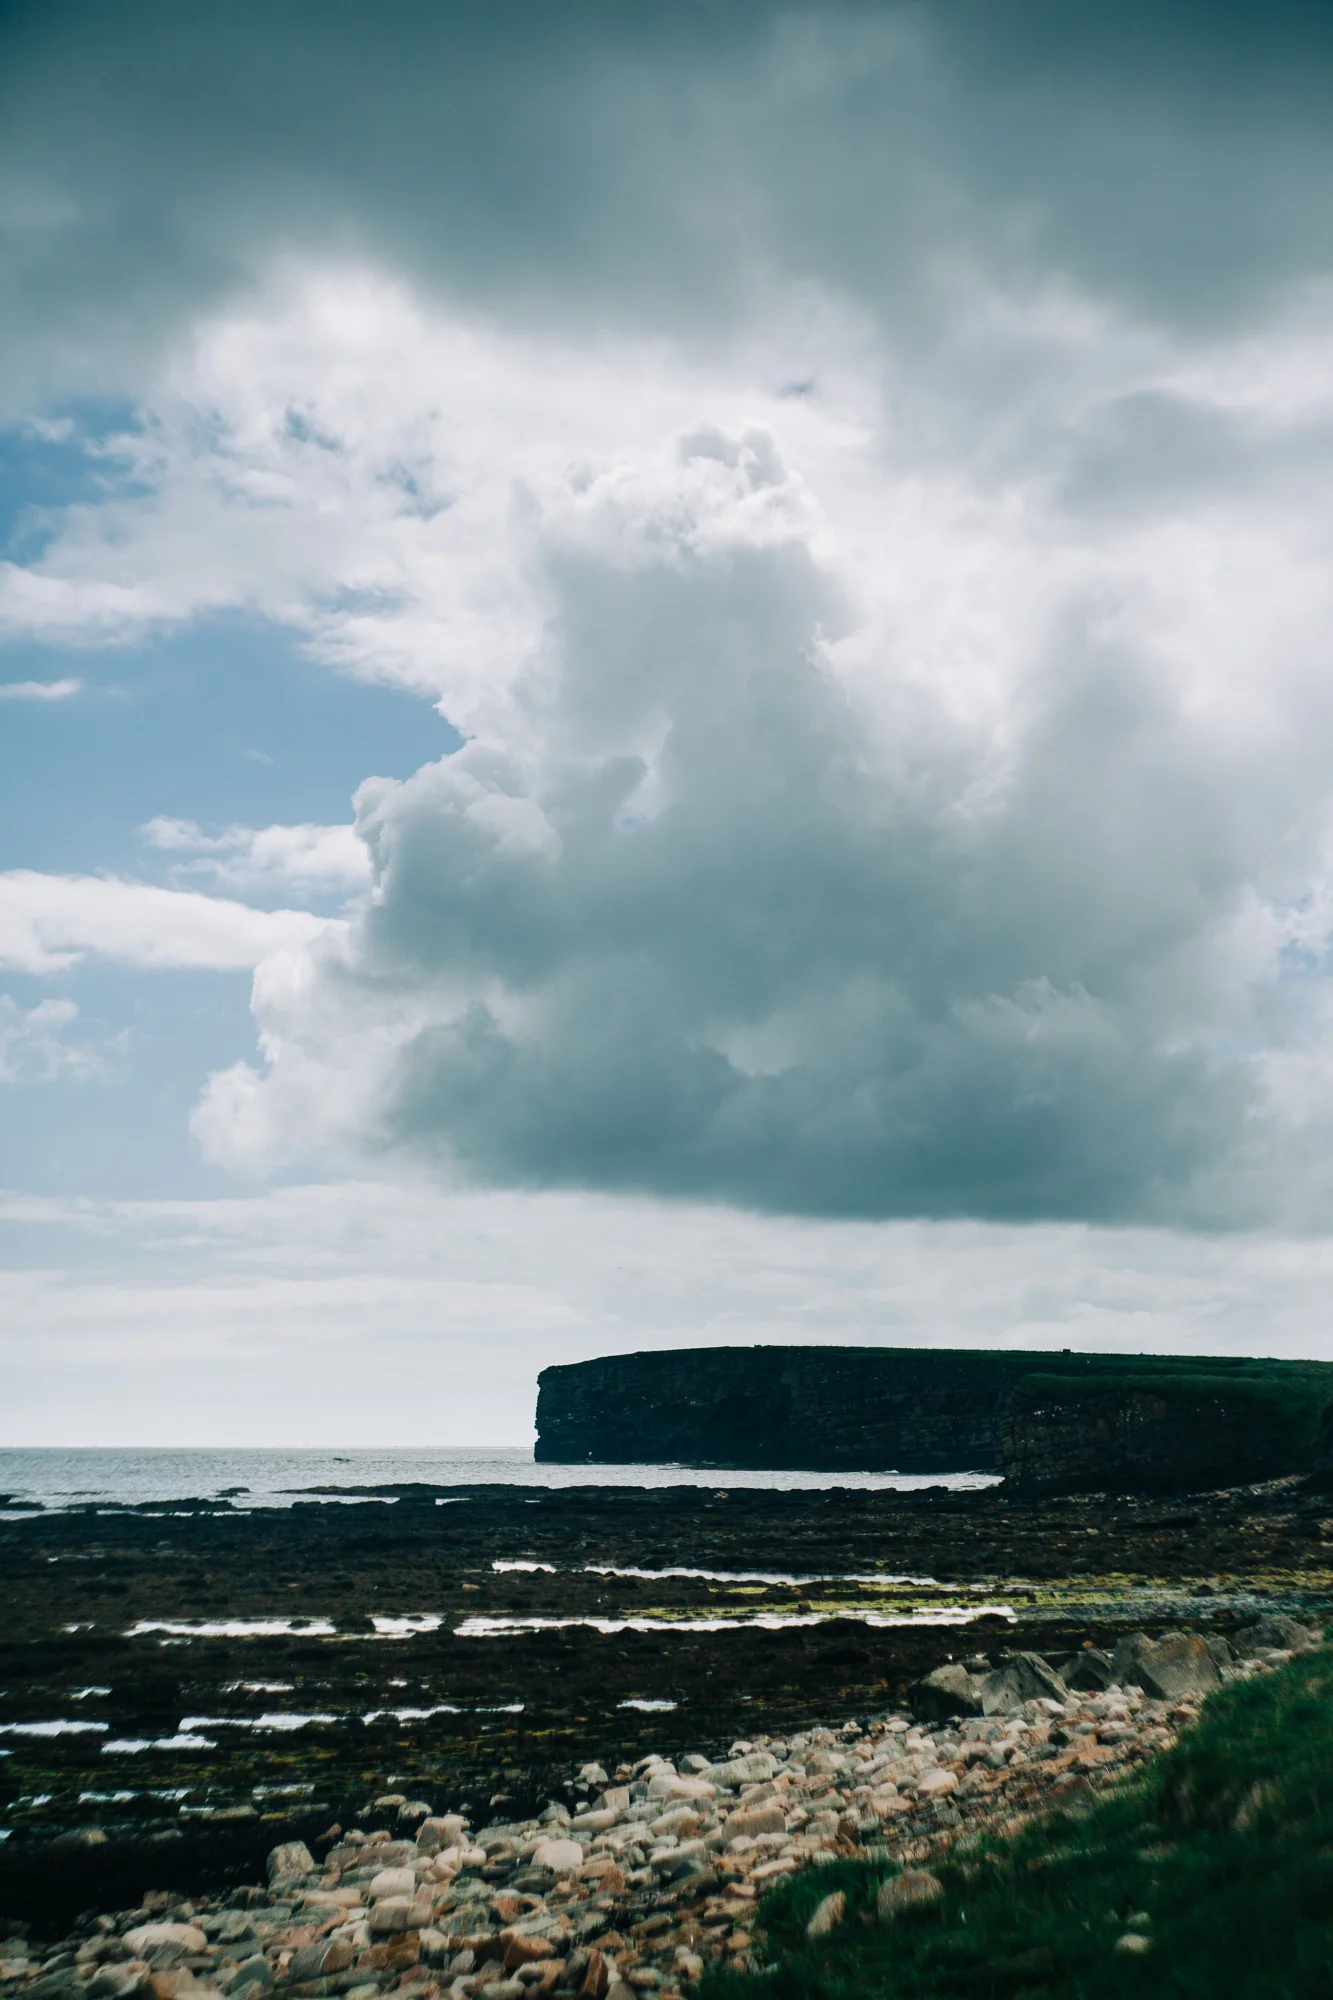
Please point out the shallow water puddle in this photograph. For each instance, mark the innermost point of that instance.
(765, 1621)
(61, 1728)
(512, 1564)
(235, 1628)
(762, 1576)
(412, 1714)
(130, 1746)
(274, 1720)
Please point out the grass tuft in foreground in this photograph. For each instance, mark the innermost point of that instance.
(1210, 1875)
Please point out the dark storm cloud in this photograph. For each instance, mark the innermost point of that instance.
(650, 162)
(804, 986)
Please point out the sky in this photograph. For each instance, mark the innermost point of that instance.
(664, 679)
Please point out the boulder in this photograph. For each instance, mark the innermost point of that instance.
(1089, 1671)
(388, 1854)
(562, 1857)
(737, 1771)
(1276, 1634)
(754, 1820)
(691, 1788)
(233, 1925)
(316, 1961)
(827, 1915)
(125, 1981)
(520, 1949)
(434, 1835)
(392, 1882)
(177, 1984)
(150, 1938)
(596, 1977)
(687, 1859)
(1020, 1677)
(949, 1691)
(935, 1783)
(914, 1889)
(681, 1820)
(395, 1914)
(293, 1857)
(1176, 1664)
(255, 1972)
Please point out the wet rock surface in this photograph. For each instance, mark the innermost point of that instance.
(184, 1689)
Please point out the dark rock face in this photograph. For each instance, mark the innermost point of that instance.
(824, 1409)
(1052, 1423)
(1174, 1436)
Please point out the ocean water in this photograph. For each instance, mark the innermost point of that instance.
(52, 1478)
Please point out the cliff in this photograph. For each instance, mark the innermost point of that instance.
(1051, 1422)
(1169, 1434)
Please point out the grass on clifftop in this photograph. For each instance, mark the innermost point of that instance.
(1221, 1855)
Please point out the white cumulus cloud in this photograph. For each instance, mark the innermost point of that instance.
(49, 922)
(311, 859)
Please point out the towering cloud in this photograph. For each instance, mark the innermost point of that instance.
(854, 480)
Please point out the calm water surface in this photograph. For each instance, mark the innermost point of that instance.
(54, 1478)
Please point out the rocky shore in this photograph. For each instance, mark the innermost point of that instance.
(635, 1879)
(201, 1681)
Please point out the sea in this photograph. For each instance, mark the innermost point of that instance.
(49, 1478)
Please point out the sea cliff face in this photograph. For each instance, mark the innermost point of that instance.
(1141, 1437)
(1050, 1422)
(823, 1409)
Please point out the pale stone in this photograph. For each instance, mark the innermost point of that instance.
(562, 1857)
(749, 1770)
(293, 1857)
(392, 1882)
(935, 1782)
(827, 1915)
(149, 1938)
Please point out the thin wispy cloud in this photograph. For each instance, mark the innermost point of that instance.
(62, 690)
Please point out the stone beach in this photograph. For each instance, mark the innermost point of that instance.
(633, 1878)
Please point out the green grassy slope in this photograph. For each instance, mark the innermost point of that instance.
(1221, 1856)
